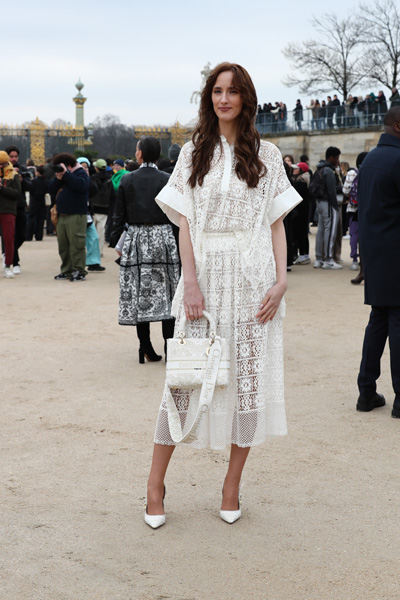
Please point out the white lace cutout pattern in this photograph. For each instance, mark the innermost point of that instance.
(235, 265)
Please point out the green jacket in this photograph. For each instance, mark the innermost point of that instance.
(10, 191)
(116, 178)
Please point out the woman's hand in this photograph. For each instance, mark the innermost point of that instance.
(193, 301)
(270, 303)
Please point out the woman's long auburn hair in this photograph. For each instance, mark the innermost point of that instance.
(249, 167)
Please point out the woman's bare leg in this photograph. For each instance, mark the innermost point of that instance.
(155, 485)
(232, 480)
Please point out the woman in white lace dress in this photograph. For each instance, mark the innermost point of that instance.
(229, 194)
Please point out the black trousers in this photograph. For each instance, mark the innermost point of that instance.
(143, 331)
(300, 228)
(384, 322)
(288, 224)
(36, 218)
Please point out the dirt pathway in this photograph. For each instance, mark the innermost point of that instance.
(320, 511)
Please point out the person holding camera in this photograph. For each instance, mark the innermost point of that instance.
(37, 206)
(71, 188)
(20, 217)
(10, 190)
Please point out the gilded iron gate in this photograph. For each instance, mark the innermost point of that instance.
(37, 141)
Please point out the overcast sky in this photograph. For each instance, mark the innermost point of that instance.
(142, 61)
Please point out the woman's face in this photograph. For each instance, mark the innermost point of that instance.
(85, 166)
(287, 161)
(226, 99)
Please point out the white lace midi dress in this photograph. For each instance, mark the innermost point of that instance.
(230, 231)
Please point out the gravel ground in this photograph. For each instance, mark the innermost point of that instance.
(77, 419)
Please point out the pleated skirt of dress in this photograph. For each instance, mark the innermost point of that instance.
(251, 408)
(149, 274)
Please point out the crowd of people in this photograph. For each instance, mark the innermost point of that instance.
(84, 194)
(330, 204)
(355, 111)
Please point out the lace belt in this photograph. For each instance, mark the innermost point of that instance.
(217, 234)
(255, 259)
(218, 240)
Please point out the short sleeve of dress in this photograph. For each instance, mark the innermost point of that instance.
(171, 199)
(285, 197)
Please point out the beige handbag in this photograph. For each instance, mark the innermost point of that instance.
(54, 215)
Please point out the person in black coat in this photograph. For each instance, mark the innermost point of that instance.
(37, 206)
(149, 265)
(382, 106)
(103, 200)
(379, 237)
(173, 155)
(20, 220)
(298, 114)
(301, 182)
(336, 110)
(329, 112)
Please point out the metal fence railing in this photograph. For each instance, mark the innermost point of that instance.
(318, 119)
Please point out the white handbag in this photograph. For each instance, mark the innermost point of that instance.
(193, 362)
(120, 244)
(187, 358)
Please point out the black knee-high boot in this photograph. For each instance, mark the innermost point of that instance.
(145, 347)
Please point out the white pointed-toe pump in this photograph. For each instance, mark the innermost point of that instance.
(230, 516)
(154, 521)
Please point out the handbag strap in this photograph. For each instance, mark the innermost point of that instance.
(206, 315)
(206, 396)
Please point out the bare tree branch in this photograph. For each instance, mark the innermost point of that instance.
(111, 137)
(381, 23)
(331, 62)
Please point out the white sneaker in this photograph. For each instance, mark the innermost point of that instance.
(346, 237)
(8, 273)
(354, 266)
(17, 270)
(302, 260)
(331, 265)
(318, 264)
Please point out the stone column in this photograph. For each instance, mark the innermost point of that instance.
(79, 102)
